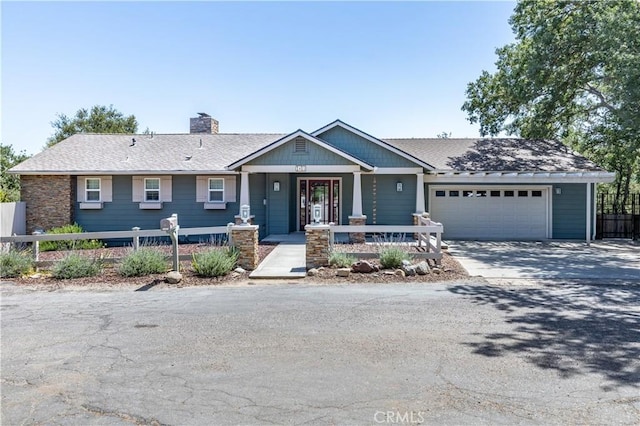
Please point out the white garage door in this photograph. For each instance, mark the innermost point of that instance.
(491, 213)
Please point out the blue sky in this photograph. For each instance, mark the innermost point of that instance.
(392, 69)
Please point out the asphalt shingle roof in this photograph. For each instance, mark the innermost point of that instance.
(495, 154)
(171, 153)
(98, 153)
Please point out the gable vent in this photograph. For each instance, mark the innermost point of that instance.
(300, 144)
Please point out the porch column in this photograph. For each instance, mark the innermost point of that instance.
(357, 195)
(244, 197)
(357, 218)
(419, 193)
(588, 213)
(244, 189)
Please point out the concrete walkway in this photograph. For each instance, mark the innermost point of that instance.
(287, 260)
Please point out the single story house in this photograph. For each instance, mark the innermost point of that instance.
(478, 188)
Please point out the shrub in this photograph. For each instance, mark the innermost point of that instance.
(69, 244)
(145, 261)
(214, 263)
(341, 260)
(76, 266)
(392, 257)
(15, 263)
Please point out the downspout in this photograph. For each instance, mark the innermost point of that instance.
(588, 221)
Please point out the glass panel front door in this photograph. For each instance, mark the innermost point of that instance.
(324, 192)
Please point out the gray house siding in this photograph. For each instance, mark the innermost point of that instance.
(392, 207)
(569, 211)
(364, 149)
(286, 154)
(257, 194)
(278, 204)
(122, 213)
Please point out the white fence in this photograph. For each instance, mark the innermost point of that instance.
(135, 234)
(427, 235)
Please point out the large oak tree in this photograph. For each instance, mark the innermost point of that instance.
(573, 74)
(99, 119)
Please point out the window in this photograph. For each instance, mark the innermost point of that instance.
(467, 193)
(508, 193)
(536, 193)
(440, 193)
(454, 193)
(152, 189)
(523, 193)
(495, 193)
(481, 193)
(216, 190)
(92, 189)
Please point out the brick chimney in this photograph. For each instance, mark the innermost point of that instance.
(203, 124)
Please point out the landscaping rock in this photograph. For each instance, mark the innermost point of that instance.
(409, 270)
(240, 270)
(422, 268)
(312, 272)
(344, 272)
(173, 277)
(406, 263)
(400, 273)
(436, 270)
(363, 267)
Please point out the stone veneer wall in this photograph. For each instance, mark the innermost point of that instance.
(50, 200)
(357, 237)
(245, 239)
(317, 247)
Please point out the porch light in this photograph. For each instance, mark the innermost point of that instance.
(558, 190)
(317, 213)
(399, 186)
(245, 212)
(276, 186)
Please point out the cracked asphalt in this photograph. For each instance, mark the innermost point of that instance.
(462, 353)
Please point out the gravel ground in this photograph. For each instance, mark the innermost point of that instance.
(111, 279)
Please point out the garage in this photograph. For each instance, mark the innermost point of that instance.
(492, 213)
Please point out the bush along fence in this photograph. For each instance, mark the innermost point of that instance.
(243, 237)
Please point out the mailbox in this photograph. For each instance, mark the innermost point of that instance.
(170, 223)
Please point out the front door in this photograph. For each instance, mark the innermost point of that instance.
(322, 191)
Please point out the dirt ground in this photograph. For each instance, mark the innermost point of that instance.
(110, 278)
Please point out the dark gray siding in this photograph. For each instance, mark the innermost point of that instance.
(257, 194)
(363, 149)
(285, 154)
(122, 214)
(392, 207)
(278, 204)
(569, 211)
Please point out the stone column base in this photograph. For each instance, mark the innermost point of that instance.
(317, 247)
(245, 239)
(357, 237)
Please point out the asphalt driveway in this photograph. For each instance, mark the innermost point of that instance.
(602, 260)
(462, 353)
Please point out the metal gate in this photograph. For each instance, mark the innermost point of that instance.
(617, 220)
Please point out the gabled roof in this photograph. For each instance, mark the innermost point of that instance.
(380, 142)
(291, 137)
(117, 154)
(499, 154)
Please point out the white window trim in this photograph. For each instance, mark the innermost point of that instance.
(209, 191)
(87, 190)
(145, 190)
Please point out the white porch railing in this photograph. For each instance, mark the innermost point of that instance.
(428, 235)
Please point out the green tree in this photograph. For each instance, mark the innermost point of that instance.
(99, 119)
(10, 184)
(572, 74)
